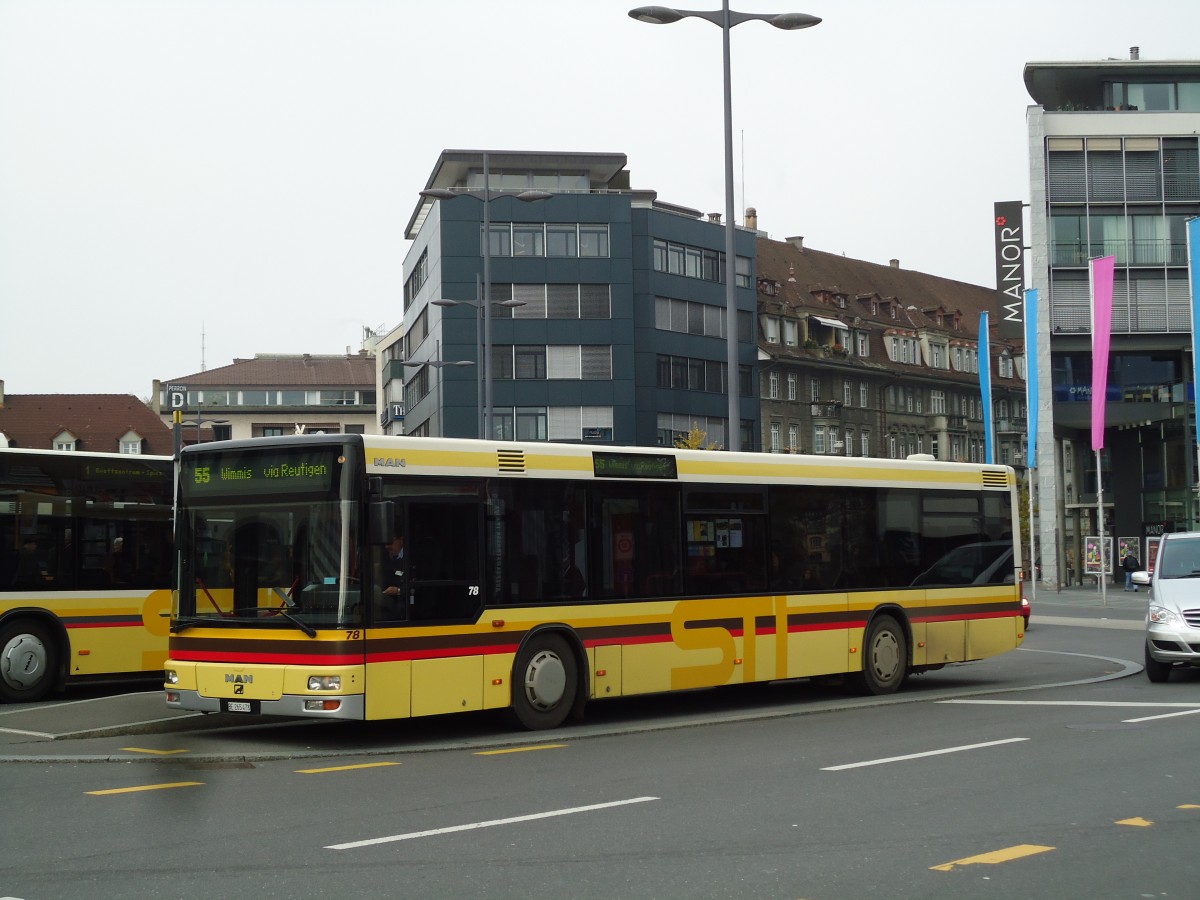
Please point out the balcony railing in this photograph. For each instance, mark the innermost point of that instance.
(1147, 252)
(825, 410)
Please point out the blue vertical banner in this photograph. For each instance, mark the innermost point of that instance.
(1031, 375)
(1193, 242)
(985, 385)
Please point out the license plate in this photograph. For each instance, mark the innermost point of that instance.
(238, 706)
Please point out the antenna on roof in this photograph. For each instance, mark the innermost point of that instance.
(203, 366)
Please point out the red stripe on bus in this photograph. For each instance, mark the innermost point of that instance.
(260, 659)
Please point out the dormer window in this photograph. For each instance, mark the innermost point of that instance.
(839, 300)
(131, 443)
(65, 441)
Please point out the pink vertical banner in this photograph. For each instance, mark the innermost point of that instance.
(1101, 274)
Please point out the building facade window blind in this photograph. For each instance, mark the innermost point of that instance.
(1065, 174)
(1106, 181)
(595, 301)
(1143, 179)
(596, 362)
(562, 361)
(1181, 169)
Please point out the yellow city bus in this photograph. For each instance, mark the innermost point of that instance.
(366, 577)
(86, 568)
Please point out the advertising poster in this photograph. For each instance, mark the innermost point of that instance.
(1127, 545)
(1091, 555)
(1151, 560)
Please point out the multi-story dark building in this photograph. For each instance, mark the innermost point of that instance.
(1114, 171)
(608, 308)
(609, 325)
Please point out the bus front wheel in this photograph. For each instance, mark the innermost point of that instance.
(885, 658)
(545, 680)
(27, 662)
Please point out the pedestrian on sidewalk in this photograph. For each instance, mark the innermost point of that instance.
(1070, 567)
(1131, 565)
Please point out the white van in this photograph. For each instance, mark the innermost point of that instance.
(1173, 614)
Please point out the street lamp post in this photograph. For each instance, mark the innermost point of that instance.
(479, 305)
(200, 422)
(486, 299)
(725, 19)
(438, 364)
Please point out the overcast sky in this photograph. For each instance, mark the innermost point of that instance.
(185, 183)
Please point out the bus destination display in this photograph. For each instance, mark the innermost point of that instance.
(259, 473)
(633, 465)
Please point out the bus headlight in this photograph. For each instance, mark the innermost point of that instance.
(324, 682)
(172, 677)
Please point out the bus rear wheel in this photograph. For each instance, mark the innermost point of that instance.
(545, 681)
(885, 658)
(28, 662)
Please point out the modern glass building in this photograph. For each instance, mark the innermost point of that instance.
(1114, 171)
(607, 308)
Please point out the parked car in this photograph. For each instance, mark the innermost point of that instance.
(1173, 610)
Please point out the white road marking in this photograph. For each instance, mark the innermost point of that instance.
(40, 734)
(944, 750)
(351, 845)
(1116, 703)
(1189, 712)
(1123, 624)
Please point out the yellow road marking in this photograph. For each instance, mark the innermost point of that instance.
(145, 787)
(996, 856)
(374, 765)
(155, 752)
(1136, 820)
(519, 749)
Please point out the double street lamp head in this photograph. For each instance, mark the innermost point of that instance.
(510, 304)
(665, 15)
(447, 194)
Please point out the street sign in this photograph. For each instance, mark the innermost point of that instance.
(176, 396)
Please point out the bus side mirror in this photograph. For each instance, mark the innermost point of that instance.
(380, 516)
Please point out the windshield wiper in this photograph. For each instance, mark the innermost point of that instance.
(277, 611)
(181, 623)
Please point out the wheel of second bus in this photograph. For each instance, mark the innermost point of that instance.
(885, 657)
(28, 661)
(545, 680)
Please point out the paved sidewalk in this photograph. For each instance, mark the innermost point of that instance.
(1087, 600)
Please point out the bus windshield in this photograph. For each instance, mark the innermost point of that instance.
(256, 553)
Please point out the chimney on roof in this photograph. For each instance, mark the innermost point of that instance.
(797, 241)
(714, 217)
(894, 263)
(1135, 52)
(751, 220)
